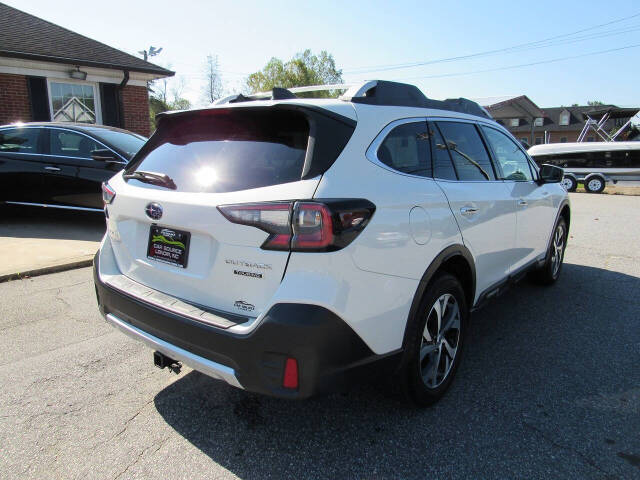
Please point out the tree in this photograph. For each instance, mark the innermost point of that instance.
(595, 103)
(212, 88)
(165, 95)
(303, 69)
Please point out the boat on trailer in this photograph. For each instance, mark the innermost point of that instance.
(592, 163)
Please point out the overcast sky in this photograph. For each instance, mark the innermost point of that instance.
(369, 39)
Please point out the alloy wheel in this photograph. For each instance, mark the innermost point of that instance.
(440, 341)
(557, 250)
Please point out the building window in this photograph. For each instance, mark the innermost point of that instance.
(590, 139)
(514, 122)
(74, 102)
(564, 118)
(563, 139)
(538, 122)
(538, 140)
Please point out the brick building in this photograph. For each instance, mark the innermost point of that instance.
(48, 73)
(534, 125)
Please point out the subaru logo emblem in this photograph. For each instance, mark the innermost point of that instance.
(154, 211)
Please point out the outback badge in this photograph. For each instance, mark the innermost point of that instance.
(244, 306)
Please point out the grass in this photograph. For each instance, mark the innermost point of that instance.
(615, 190)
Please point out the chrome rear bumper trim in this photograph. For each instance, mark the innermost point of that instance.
(206, 366)
(63, 207)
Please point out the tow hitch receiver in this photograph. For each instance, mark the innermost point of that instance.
(161, 361)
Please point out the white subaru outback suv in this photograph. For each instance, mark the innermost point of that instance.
(290, 246)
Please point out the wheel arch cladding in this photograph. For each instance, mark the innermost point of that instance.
(456, 260)
(566, 214)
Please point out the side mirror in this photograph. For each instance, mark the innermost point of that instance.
(551, 174)
(105, 155)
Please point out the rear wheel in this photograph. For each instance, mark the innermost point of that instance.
(594, 184)
(435, 340)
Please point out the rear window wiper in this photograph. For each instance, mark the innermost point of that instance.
(159, 179)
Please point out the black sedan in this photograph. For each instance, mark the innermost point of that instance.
(61, 164)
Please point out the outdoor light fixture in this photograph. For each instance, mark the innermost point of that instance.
(78, 74)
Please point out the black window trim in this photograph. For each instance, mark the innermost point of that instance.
(434, 124)
(372, 150)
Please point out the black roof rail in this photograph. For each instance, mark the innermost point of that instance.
(383, 92)
(373, 92)
(277, 93)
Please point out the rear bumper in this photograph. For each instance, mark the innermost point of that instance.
(330, 355)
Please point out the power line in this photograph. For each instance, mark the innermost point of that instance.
(561, 59)
(528, 45)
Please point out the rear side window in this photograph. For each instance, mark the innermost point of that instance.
(20, 140)
(512, 161)
(406, 149)
(227, 150)
(71, 144)
(467, 150)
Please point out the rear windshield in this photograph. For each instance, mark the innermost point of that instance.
(227, 149)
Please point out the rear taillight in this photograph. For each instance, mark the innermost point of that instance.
(304, 226)
(108, 194)
(273, 218)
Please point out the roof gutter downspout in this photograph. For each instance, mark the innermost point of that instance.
(123, 83)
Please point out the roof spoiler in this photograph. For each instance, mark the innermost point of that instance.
(371, 92)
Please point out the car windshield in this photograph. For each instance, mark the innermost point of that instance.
(127, 143)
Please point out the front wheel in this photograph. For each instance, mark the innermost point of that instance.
(569, 183)
(434, 342)
(552, 267)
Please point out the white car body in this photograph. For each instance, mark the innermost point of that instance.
(372, 283)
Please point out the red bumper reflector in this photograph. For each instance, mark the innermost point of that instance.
(290, 379)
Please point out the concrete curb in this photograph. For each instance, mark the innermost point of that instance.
(48, 269)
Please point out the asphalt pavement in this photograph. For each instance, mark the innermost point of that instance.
(549, 388)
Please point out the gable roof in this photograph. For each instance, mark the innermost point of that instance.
(511, 106)
(25, 36)
(577, 116)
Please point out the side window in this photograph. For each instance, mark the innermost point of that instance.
(469, 155)
(406, 149)
(20, 140)
(512, 161)
(442, 166)
(71, 144)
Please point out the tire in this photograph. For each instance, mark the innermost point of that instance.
(550, 271)
(569, 183)
(594, 184)
(428, 365)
